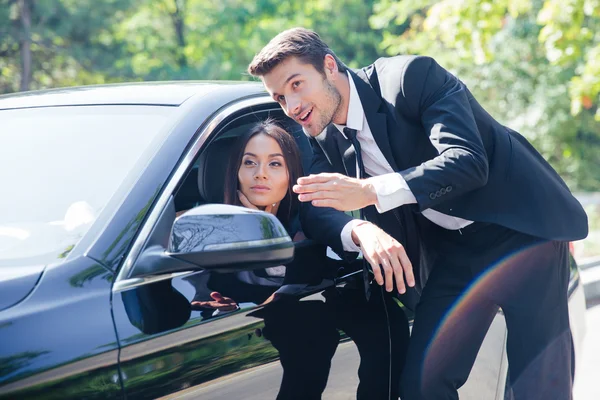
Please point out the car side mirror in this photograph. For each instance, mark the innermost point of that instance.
(230, 238)
(217, 237)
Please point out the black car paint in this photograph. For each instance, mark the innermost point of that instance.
(60, 341)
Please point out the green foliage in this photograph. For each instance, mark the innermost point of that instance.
(470, 28)
(66, 42)
(222, 37)
(533, 64)
(10, 364)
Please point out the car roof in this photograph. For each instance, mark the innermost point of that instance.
(172, 93)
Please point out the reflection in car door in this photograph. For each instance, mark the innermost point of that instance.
(207, 334)
(189, 331)
(169, 345)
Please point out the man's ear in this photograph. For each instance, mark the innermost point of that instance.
(330, 66)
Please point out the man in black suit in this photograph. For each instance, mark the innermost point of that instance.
(404, 141)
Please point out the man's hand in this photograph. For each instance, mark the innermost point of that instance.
(385, 253)
(336, 190)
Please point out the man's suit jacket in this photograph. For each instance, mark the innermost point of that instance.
(454, 156)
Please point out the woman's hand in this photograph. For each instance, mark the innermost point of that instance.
(271, 208)
(218, 302)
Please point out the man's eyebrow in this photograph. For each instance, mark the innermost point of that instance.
(291, 77)
(275, 94)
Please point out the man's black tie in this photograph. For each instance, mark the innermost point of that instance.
(351, 135)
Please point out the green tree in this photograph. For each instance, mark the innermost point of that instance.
(58, 43)
(500, 50)
(196, 39)
(567, 34)
(163, 39)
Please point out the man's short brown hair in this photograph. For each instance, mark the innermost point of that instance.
(296, 42)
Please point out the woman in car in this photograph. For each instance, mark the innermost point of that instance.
(264, 165)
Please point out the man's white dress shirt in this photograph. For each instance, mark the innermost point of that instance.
(391, 188)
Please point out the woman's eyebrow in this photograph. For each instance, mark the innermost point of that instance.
(270, 155)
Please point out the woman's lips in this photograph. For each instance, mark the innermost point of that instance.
(260, 189)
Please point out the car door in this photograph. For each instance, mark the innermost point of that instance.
(215, 335)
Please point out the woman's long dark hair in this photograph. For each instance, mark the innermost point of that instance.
(288, 208)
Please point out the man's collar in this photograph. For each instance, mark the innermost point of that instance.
(356, 113)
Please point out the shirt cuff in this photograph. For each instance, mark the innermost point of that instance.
(347, 242)
(392, 191)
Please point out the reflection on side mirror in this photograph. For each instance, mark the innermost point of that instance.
(230, 238)
(217, 237)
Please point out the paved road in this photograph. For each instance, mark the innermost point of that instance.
(587, 379)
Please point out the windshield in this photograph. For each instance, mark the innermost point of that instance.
(59, 166)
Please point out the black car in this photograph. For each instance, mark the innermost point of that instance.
(105, 293)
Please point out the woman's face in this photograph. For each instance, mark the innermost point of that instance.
(263, 174)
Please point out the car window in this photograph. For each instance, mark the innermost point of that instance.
(59, 166)
(204, 182)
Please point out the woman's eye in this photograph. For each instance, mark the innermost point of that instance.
(248, 162)
(276, 164)
(296, 84)
(281, 99)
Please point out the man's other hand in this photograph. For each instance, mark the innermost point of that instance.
(336, 191)
(386, 255)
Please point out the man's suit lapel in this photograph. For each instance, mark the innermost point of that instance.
(376, 116)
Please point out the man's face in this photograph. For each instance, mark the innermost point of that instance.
(305, 95)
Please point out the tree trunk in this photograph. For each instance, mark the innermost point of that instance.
(25, 43)
(179, 24)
